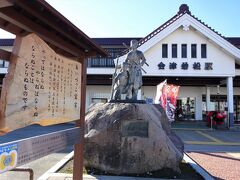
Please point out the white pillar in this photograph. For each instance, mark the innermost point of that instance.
(230, 102)
(208, 99)
(198, 107)
(139, 95)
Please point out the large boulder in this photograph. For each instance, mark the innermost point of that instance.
(128, 138)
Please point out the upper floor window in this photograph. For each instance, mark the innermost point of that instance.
(99, 100)
(114, 52)
(100, 62)
(1, 63)
(237, 66)
(164, 50)
(4, 64)
(203, 51)
(184, 50)
(194, 50)
(174, 50)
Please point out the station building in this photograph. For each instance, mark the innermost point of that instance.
(183, 50)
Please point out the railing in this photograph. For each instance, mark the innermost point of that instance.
(101, 63)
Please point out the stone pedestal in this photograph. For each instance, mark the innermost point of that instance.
(128, 138)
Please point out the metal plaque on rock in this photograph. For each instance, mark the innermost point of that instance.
(135, 128)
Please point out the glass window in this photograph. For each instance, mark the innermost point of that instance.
(110, 63)
(194, 50)
(174, 50)
(100, 62)
(115, 52)
(237, 66)
(164, 50)
(6, 64)
(99, 100)
(185, 108)
(1, 63)
(184, 50)
(203, 51)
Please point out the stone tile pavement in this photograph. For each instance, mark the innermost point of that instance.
(217, 151)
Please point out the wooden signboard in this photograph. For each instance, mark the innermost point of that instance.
(41, 86)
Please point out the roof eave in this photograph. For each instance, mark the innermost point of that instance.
(21, 18)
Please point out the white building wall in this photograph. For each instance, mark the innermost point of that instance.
(100, 71)
(3, 70)
(97, 92)
(7, 48)
(215, 55)
(150, 92)
(237, 72)
(223, 91)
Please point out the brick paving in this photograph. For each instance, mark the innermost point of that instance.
(217, 151)
(219, 165)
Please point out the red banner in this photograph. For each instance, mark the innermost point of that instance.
(167, 97)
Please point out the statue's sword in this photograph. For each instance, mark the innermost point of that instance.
(113, 78)
(126, 46)
(140, 67)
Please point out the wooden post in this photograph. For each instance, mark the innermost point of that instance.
(78, 148)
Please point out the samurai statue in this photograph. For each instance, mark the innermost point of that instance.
(129, 80)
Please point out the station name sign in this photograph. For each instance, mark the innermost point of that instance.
(186, 65)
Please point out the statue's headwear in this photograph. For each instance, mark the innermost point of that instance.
(132, 42)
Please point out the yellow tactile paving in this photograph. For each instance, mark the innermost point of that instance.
(209, 137)
(192, 129)
(213, 141)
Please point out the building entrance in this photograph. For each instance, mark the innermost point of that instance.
(219, 103)
(185, 109)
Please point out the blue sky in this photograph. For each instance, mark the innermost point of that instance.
(137, 18)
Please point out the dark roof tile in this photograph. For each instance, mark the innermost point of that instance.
(114, 41)
(234, 40)
(6, 42)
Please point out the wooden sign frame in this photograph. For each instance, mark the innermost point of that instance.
(78, 148)
(24, 17)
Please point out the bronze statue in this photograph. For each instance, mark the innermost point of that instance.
(129, 80)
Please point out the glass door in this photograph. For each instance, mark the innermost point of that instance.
(185, 109)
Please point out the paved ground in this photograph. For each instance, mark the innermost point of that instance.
(219, 165)
(41, 165)
(209, 148)
(217, 151)
(33, 130)
(88, 177)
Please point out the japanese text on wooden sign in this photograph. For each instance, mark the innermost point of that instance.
(41, 86)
